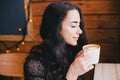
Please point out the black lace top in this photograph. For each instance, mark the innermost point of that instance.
(38, 67)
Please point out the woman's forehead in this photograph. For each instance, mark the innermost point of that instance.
(73, 16)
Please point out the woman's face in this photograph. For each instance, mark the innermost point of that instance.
(70, 27)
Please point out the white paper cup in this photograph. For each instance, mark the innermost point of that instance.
(94, 51)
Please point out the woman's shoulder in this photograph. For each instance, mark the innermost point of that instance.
(35, 66)
(35, 61)
(37, 55)
(36, 49)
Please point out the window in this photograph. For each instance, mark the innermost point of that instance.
(14, 16)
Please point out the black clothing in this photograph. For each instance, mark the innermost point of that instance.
(39, 66)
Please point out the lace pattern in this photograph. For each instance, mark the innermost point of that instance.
(34, 69)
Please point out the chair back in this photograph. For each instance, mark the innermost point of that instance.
(11, 64)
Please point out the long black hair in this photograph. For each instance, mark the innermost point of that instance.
(53, 45)
(51, 27)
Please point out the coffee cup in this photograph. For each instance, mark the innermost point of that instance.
(93, 50)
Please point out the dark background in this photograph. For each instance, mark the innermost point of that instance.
(12, 17)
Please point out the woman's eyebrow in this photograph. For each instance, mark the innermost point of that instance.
(74, 22)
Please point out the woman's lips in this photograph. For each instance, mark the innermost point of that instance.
(76, 38)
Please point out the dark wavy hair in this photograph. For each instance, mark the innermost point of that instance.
(53, 43)
(51, 27)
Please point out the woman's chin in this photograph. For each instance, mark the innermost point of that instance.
(73, 44)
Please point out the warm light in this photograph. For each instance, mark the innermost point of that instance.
(30, 20)
(23, 43)
(25, 7)
(18, 49)
(20, 29)
(7, 51)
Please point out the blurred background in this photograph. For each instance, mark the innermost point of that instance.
(101, 17)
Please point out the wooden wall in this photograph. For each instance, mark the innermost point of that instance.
(102, 21)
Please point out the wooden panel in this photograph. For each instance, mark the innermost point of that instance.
(104, 36)
(110, 59)
(37, 21)
(99, 7)
(110, 50)
(35, 0)
(86, 0)
(93, 21)
(45, 0)
(88, 7)
(102, 21)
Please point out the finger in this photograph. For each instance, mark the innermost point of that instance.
(82, 57)
(90, 67)
(81, 53)
(84, 60)
(87, 63)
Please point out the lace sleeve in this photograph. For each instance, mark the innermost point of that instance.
(34, 70)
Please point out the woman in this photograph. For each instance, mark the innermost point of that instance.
(59, 56)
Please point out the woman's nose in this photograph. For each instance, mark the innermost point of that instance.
(79, 31)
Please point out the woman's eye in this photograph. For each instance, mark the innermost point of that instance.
(73, 26)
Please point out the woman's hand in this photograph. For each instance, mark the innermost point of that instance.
(79, 66)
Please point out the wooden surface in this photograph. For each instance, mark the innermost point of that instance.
(11, 64)
(107, 71)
